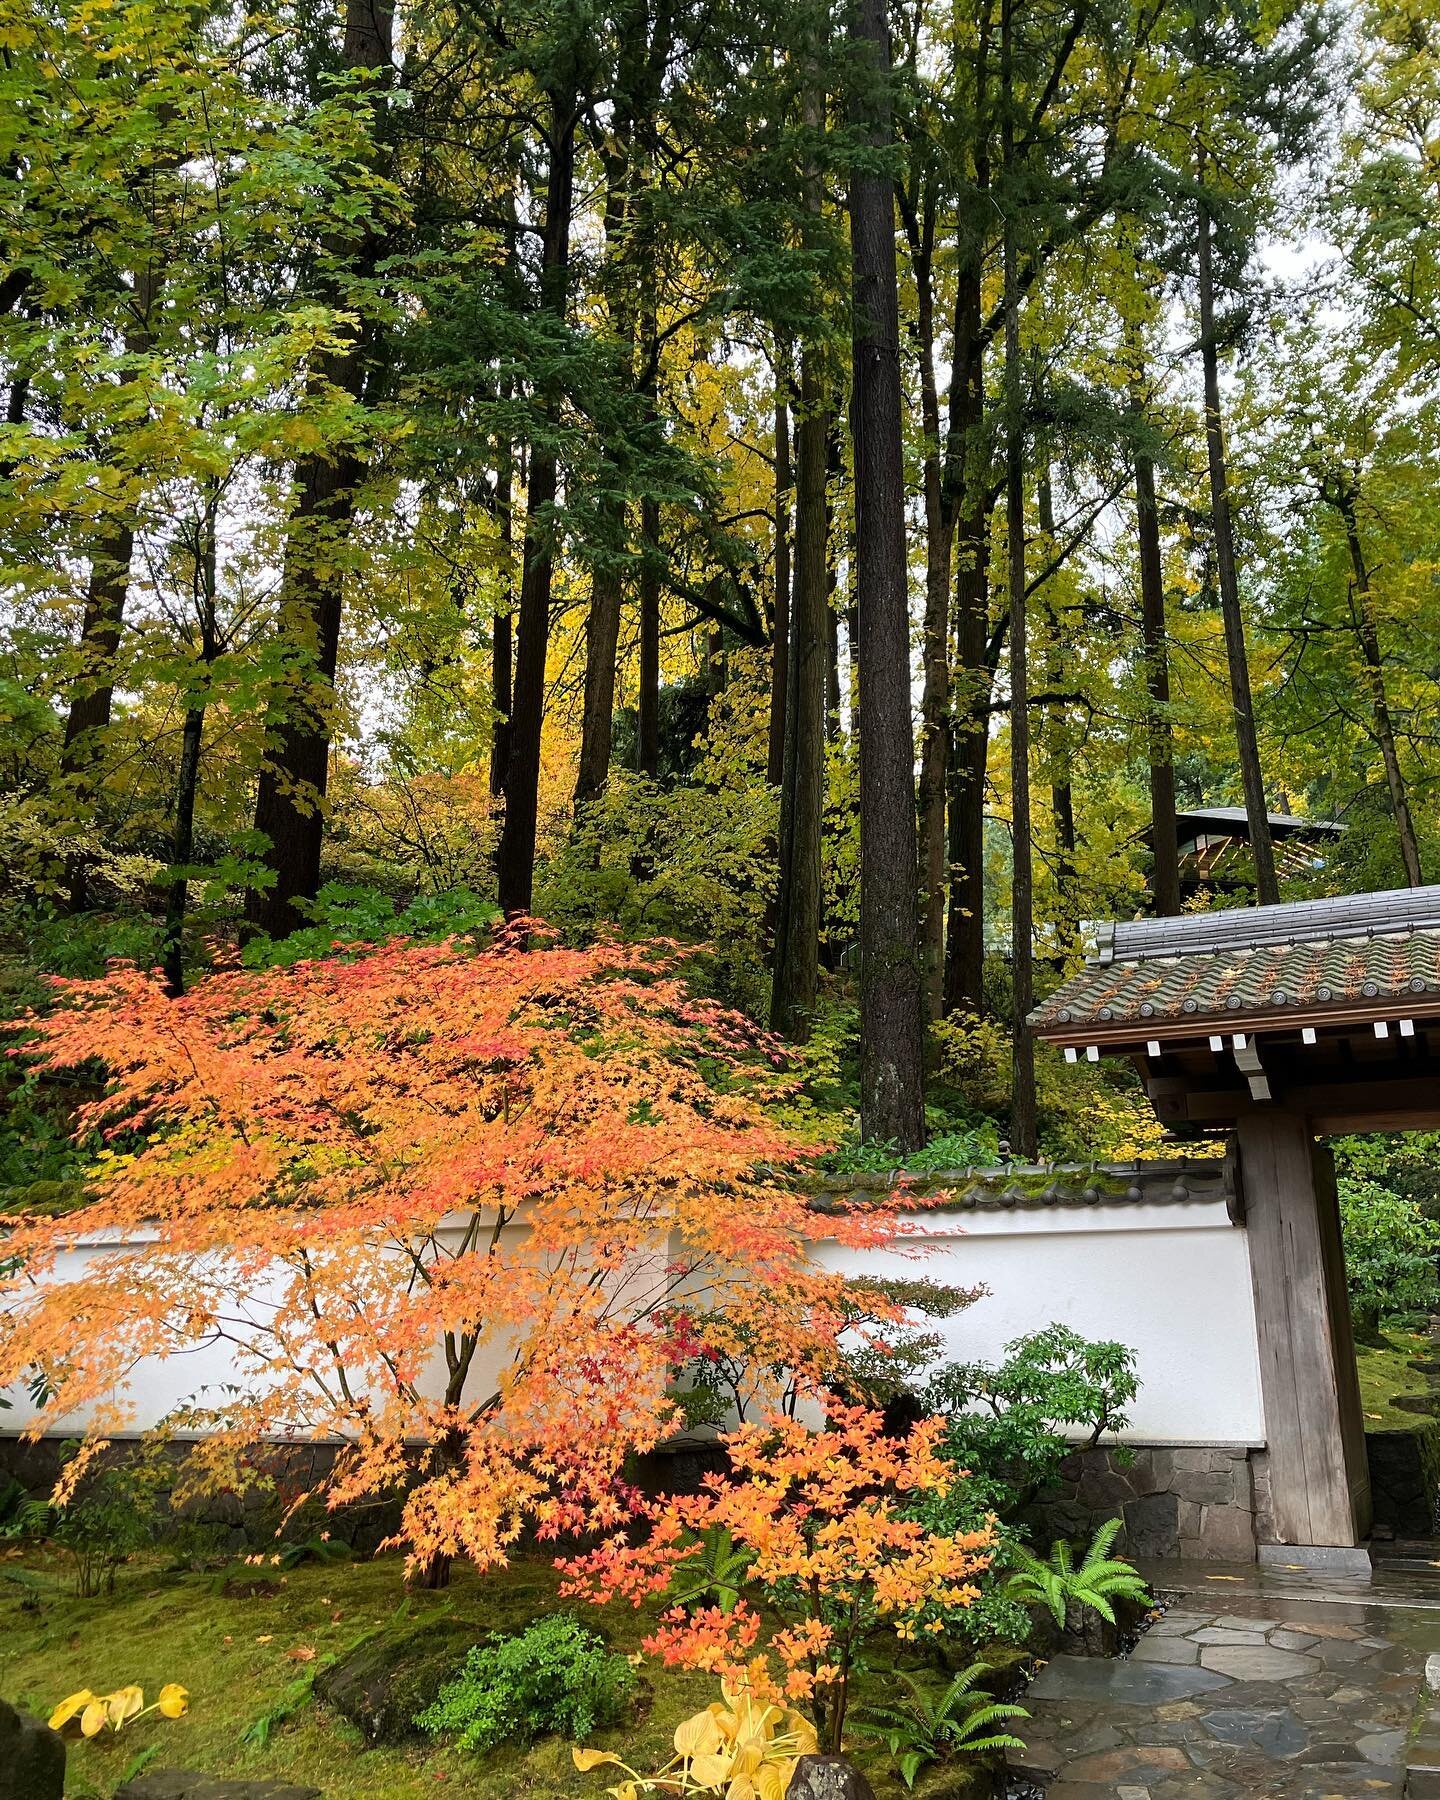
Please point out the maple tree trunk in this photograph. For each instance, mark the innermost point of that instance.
(1023, 1140)
(290, 798)
(1165, 867)
(892, 1022)
(515, 859)
(780, 622)
(182, 849)
(1369, 639)
(1267, 891)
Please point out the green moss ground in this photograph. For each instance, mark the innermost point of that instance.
(233, 1655)
(1385, 1375)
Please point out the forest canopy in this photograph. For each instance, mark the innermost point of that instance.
(838, 486)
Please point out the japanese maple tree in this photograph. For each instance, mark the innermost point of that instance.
(819, 1552)
(445, 1204)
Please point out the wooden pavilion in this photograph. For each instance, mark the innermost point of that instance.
(1282, 1025)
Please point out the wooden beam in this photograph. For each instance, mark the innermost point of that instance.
(1318, 1481)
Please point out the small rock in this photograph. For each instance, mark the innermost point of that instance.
(194, 1784)
(32, 1758)
(828, 1778)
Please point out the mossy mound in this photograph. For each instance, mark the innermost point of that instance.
(385, 1681)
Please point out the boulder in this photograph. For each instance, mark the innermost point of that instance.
(32, 1758)
(827, 1778)
(384, 1682)
(194, 1784)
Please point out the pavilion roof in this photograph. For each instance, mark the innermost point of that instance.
(1365, 954)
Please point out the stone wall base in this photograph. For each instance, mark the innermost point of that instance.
(1195, 1503)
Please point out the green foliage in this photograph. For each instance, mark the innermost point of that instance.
(1012, 1424)
(112, 1515)
(1391, 1249)
(968, 1148)
(356, 916)
(1058, 1584)
(321, 1548)
(22, 1519)
(714, 1573)
(555, 1676)
(926, 1727)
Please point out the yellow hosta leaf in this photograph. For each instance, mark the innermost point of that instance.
(741, 1788)
(174, 1700)
(586, 1760)
(771, 1782)
(92, 1720)
(123, 1704)
(749, 1754)
(807, 1742)
(699, 1735)
(67, 1709)
(710, 1769)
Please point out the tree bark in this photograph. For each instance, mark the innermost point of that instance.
(1160, 749)
(1368, 636)
(935, 693)
(1022, 974)
(971, 685)
(1267, 891)
(648, 707)
(795, 979)
(1057, 735)
(172, 955)
(515, 860)
(892, 1021)
(290, 799)
(501, 650)
(602, 640)
(780, 619)
(795, 974)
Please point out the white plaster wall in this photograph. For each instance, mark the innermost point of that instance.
(1170, 1281)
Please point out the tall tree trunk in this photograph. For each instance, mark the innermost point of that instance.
(501, 649)
(290, 798)
(935, 693)
(515, 860)
(780, 621)
(1057, 736)
(648, 706)
(1159, 737)
(182, 848)
(1242, 698)
(971, 687)
(92, 691)
(1368, 636)
(892, 1014)
(602, 640)
(795, 975)
(1022, 1104)
(795, 981)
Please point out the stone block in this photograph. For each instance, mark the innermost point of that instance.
(1227, 1534)
(1152, 1526)
(32, 1758)
(828, 1778)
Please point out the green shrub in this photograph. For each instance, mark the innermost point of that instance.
(1013, 1424)
(923, 1727)
(555, 1676)
(1390, 1254)
(114, 1513)
(344, 915)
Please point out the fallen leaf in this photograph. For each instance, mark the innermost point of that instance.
(336, 1616)
(300, 1653)
(268, 1638)
(1224, 1577)
(227, 1639)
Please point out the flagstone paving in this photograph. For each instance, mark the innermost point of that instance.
(1276, 1683)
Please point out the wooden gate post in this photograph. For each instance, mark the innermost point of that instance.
(1319, 1478)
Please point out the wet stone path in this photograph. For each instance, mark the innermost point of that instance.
(1273, 1683)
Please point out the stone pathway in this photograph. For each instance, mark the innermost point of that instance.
(1281, 1684)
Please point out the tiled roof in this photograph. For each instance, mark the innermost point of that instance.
(1380, 949)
